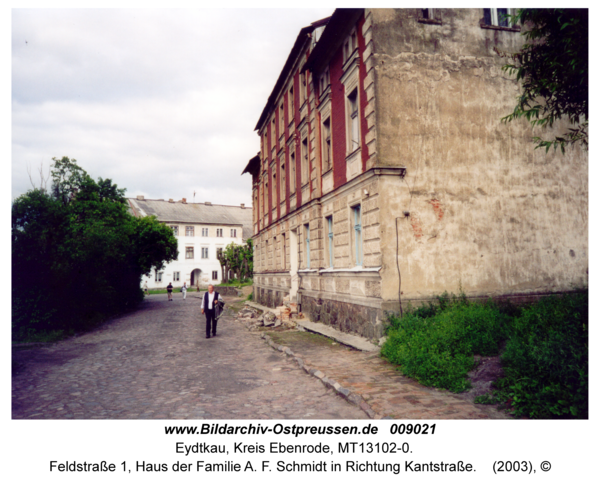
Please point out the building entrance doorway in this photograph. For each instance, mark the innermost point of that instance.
(195, 278)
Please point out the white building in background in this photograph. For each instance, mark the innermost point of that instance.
(202, 229)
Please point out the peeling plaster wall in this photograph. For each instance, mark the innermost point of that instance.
(487, 211)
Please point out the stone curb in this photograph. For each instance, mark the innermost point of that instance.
(349, 396)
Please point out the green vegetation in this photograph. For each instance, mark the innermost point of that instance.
(78, 255)
(545, 358)
(553, 69)
(237, 260)
(236, 283)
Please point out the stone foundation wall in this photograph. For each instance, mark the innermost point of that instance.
(343, 316)
(268, 297)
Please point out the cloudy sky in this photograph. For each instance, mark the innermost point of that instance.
(163, 102)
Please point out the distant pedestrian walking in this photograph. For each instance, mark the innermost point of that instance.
(184, 290)
(146, 288)
(212, 302)
(170, 291)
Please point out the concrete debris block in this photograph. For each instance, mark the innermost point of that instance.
(269, 317)
(277, 323)
(286, 299)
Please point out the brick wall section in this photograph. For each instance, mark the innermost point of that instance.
(367, 66)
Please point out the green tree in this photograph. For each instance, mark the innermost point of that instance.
(237, 259)
(78, 254)
(553, 69)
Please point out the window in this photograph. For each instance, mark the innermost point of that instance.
(282, 180)
(293, 174)
(189, 252)
(324, 81)
(357, 235)
(304, 161)
(273, 133)
(176, 276)
(158, 276)
(189, 231)
(497, 16)
(175, 229)
(233, 232)
(204, 231)
(330, 239)
(350, 46)
(274, 187)
(352, 121)
(430, 16)
(303, 93)
(326, 140)
(291, 105)
(204, 253)
(219, 232)
(281, 120)
(307, 232)
(215, 275)
(265, 201)
(283, 261)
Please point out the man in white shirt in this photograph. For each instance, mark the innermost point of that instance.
(209, 303)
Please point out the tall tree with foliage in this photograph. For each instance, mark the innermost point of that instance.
(78, 254)
(237, 259)
(553, 69)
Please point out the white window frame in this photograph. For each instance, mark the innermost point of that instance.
(357, 234)
(293, 170)
(327, 153)
(353, 121)
(219, 232)
(495, 17)
(204, 231)
(158, 276)
(215, 275)
(304, 162)
(189, 253)
(233, 233)
(329, 223)
(176, 275)
(175, 229)
(204, 253)
(189, 230)
(307, 240)
(350, 45)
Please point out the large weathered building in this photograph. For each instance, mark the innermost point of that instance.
(385, 174)
(201, 229)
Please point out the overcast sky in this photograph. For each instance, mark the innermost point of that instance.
(163, 102)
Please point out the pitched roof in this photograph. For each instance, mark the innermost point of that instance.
(196, 213)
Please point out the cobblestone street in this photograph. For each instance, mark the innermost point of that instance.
(156, 363)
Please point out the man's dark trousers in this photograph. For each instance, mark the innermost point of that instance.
(210, 318)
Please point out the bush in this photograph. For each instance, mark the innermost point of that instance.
(546, 359)
(438, 349)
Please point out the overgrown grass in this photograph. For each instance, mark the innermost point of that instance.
(435, 344)
(236, 283)
(545, 359)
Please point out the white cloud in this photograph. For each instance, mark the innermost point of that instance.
(163, 102)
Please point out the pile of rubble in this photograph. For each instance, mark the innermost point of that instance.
(281, 316)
